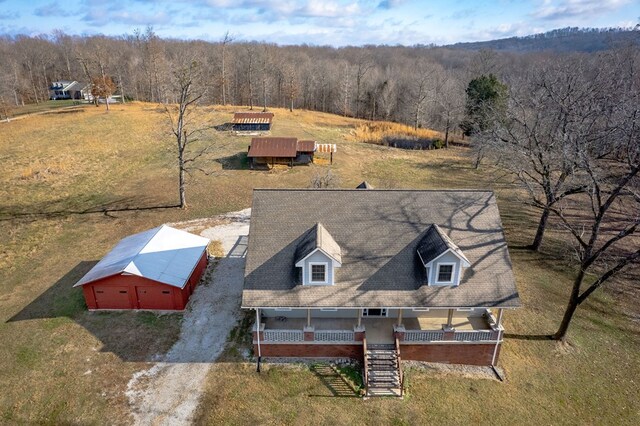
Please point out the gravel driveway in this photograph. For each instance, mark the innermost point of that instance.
(169, 391)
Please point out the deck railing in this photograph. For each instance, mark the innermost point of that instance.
(283, 336)
(334, 336)
(423, 335)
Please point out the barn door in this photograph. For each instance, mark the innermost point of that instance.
(155, 297)
(110, 297)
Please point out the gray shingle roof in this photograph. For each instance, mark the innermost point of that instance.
(318, 238)
(364, 185)
(378, 232)
(434, 243)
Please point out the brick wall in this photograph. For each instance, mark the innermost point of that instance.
(310, 351)
(470, 354)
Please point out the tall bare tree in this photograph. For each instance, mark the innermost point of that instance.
(186, 83)
(223, 69)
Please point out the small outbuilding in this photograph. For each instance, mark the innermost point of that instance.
(252, 122)
(156, 269)
(278, 150)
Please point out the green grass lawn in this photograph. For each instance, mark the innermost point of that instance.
(61, 364)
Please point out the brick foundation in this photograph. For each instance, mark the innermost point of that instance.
(310, 351)
(470, 354)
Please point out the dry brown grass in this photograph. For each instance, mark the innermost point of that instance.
(61, 165)
(378, 132)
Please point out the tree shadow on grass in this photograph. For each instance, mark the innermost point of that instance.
(528, 336)
(334, 381)
(48, 209)
(131, 335)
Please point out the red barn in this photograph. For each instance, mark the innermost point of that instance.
(156, 269)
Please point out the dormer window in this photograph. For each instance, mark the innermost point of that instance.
(445, 273)
(318, 256)
(442, 259)
(318, 273)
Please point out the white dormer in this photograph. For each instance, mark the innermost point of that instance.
(442, 259)
(318, 255)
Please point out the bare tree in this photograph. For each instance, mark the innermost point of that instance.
(423, 85)
(605, 230)
(223, 69)
(449, 105)
(362, 67)
(551, 112)
(186, 83)
(324, 180)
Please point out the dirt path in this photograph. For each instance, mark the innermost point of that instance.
(168, 392)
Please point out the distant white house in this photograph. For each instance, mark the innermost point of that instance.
(66, 89)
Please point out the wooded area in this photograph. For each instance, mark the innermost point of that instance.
(423, 86)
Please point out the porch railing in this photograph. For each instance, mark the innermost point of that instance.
(423, 335)
(474, 336)
(283, 336)
(458, 336)
(334, 336)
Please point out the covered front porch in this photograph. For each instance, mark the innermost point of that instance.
(408, 325)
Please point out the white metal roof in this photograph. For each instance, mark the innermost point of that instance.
(162, 254)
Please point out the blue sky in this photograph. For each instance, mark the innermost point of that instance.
(329, 22)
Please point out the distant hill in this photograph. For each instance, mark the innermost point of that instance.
(571, 39)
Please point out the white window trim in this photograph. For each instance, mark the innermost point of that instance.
(453, 273)
(326, 273)
(365, 312)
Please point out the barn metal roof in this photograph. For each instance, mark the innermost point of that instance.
(306, 146)
(162, 254)
(273, 147)
(252, 117)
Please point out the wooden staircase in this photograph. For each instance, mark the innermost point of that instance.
(383, 375)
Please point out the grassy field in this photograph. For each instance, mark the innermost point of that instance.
(73, 184)
(42, 107)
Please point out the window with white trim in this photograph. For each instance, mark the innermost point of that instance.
(445, 273)
(318, 273)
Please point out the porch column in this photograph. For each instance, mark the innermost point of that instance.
(400, 317)
(358, 330)
(450, 318)
(308, 317)
(499, 319)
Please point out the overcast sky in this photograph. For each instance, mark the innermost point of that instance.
(332, 22)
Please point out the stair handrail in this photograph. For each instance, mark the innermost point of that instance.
(400, 376)
(366, 367)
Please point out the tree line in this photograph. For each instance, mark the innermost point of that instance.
(422, 86)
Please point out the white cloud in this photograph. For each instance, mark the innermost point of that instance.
(556, 10)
